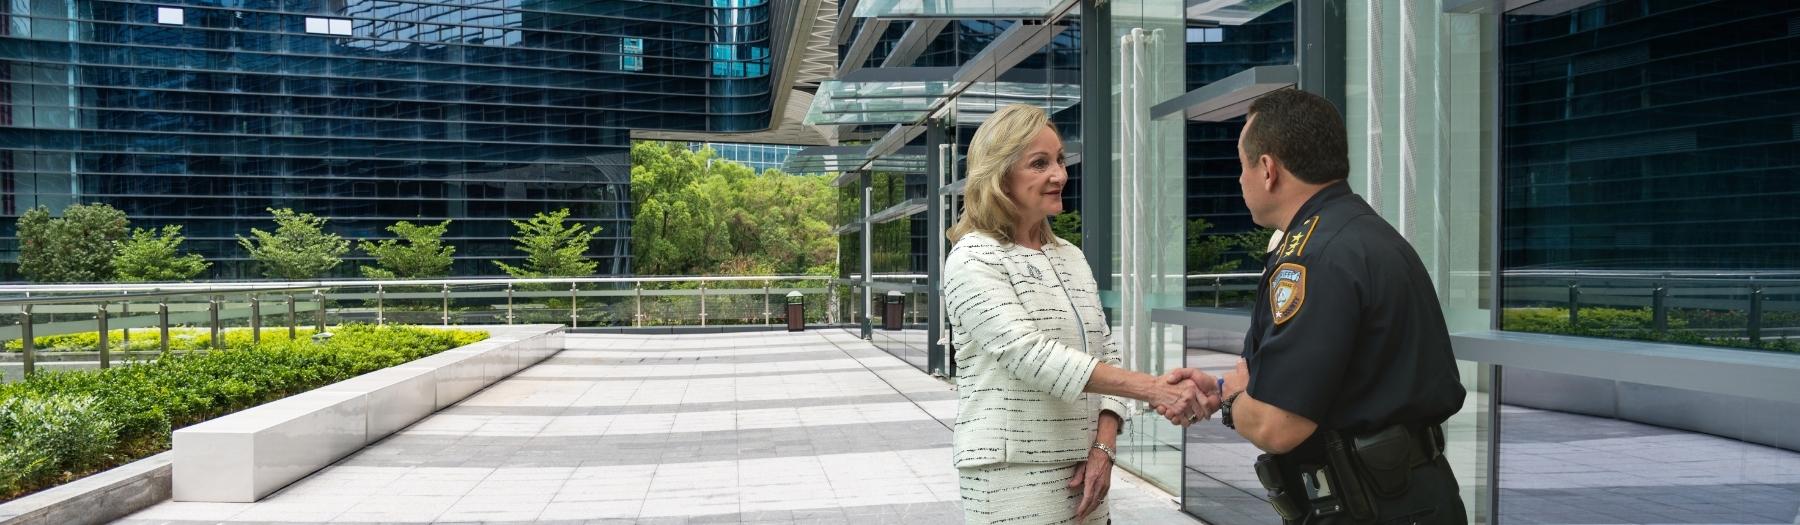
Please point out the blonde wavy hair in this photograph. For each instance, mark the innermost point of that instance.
(996, 146)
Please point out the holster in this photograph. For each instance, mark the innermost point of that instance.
(1287, 501)
(1378, 465)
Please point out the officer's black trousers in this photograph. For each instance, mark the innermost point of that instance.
(1432, 499)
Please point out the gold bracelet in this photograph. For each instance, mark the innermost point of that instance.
(1111, 455)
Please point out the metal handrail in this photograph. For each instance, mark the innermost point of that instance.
(254, 286)
(100, 297)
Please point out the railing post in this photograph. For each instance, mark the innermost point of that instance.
(380, 296)
(125, 333)
(767, 318)
(162, 323)
(574, 315)
(1218, 291)
(703, 303)
(293, 321)
(637, 300)
(1659, 308)
(509, 303)
(100, 326)
(1574, 306)
(255, 319)
(446, 295)
(25, 340)
(1756, 307)
(212, 310)
(319, 316)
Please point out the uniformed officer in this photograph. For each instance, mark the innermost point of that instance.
(1347, 372)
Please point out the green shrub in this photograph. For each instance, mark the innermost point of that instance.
(1638, 324)
(139, 404)
(48, 438)
(150, 340)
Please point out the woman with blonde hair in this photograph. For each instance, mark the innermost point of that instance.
(1041, 391)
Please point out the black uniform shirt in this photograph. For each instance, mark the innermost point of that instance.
(1347, 330)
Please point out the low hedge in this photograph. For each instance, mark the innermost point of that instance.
(1635, 324)
(150, 339)
(57, 426)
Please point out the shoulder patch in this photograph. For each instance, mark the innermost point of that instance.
(1287, 291)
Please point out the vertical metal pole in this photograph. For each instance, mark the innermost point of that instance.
(100, 326)
(1659, 308)
(319, 316)
(125, 333)
(446, 295)
(1495, 390)
(509, 303)
(1574, 306)
(212, 311)
(766, 316)
(25, 339)
(255, 319)
(574, 311)
(637, 301)
(1756, 302)
(162, 323)
(292, 320)
(868, 251)
(380, 295)
(1218, 291)
(703, 303)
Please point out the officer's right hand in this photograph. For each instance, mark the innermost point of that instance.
(1181, 403)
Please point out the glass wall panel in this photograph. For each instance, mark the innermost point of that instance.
(1148, 181)
(1649, 158)
(1647, 182)
(1422, 86)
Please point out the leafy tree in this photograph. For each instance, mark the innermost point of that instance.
(299, 249)
(1068, 226)
(148, 256)
(77, 247)
(418, 252)
(1222, 253)
(698, 214)
(553, 247)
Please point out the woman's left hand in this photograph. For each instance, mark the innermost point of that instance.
(1093, 478)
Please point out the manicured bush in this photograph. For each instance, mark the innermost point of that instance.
(1639, 324)
(59, 425)
(150, 340)
(52, 437)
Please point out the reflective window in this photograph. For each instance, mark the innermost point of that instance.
(1649, 159)
(170, 15)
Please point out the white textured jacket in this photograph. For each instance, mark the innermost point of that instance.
(1020, 364)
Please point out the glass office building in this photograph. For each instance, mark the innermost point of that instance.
(206, 114)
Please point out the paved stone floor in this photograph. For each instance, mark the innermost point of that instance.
(816, 427)
(1555, 468)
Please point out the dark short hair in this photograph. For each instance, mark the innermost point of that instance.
(1304, 131)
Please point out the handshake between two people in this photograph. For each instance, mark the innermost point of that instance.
(1185, 396)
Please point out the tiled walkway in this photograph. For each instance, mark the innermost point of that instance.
(816, 427)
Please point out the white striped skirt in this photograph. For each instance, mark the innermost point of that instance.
(1023, 494)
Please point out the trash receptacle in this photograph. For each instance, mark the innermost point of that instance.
(891, 315)
(796, 311)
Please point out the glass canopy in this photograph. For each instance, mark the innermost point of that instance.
(831, 159)
(840, 102)
(954, 8)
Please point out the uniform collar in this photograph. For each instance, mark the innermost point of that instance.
(1318, 201)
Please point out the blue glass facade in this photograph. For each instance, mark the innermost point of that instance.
(758, 157)
(204, 114)
(1214, 53)
(1653, 136)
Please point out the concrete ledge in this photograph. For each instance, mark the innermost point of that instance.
(245, 456)
(99, 498)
